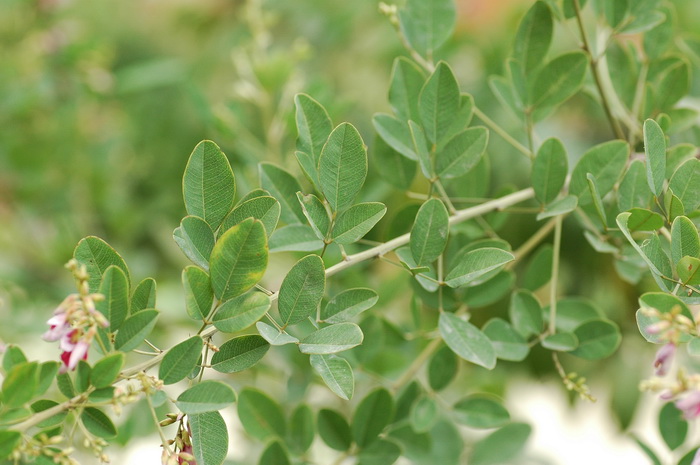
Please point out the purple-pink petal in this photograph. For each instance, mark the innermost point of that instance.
(689, 405)
(664, 358)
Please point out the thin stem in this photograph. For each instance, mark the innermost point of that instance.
(532, 242)
(163, 439)
(617, 130)
(48, 413)
(445, 197)
(529, 129)
(266, 291)
(423, 357)
(143, 352)
(503, 133)
(374, 252)
(555, 276)
(152, 346)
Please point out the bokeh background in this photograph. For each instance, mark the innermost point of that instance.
(102, 102)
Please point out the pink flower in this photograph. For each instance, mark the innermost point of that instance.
(75, 348)
(689, 405)
(664, 358)
(58, 327)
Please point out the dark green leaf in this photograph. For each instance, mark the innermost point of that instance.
(559, 207)
(239, 354)
(97, 423)
(8, 441)
(684, 239)
(264, 208)
(380, 452)
(424, 414)
(633, 190)
(687, 269)
(313, 125)
(356, 221)
(644, 220)
(115, 289)
(461, 153)
(393, 167)
(302, 290)
(396, 134)
(549, 168)
(135, 329)
(501, 446)
(302, 435)
(332, 339)
(480, 412)
(475, 264)
(199, 295)
(597, 339)
(206, 396)
(241, 312)
(597, 200)
(274, 454)
(655, 155)
(685, 184)
(562, 342)
(261, 416)
(144, 296)
(439, 103)
(427, 25)
(274, 336)
(97, 256)
(372, 415)
(295, 238)
(429, 232)
(508, 344)
(606, 162)
(534, 36)
(196, 240)
(316, 213)
(557, 81)
(209, 438)
(348, 304)
(13, 356)
(105, 372)
(334, 430)
(407, 80)
(239, 259)
(284, 187)
(20, 384)
(342, 168)
(525, 313)
(673, 426)
(179, 361)
(208, 185)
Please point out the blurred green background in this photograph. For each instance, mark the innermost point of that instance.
(102, 102)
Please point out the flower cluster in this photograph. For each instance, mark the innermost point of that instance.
(684, 390)
(75, 321)
(182, 442)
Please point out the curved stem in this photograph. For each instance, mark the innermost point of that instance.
(502, 132)
(555, 276)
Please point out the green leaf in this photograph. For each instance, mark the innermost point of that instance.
(239, 259)
(264, 208)
(490, 291)
(144, 296)
(480, 412)
(372, 415)
(557, 81)
(467, 341)
(614, 11)
(336, 372)
(196, 240)
(396, 134)
(407, 80)
(47, 373)
(13, 356)
(562, 342)
(274, 336)
(597, 200)
(534, 36)
(672, 425)
(65, 385)
(180, 360)
(622, 220)
(316, 213)
(308, 167)
(106, 371)
(442, 368)
(135, 329)
(274, 454)
(503, 89)
(508, 344)
(239, 354)
(539, 268)
(241, 312)
(332, 339)
(391, 166)
(295, 238)
(302, 435)
(559, 207)
(687, 458)
(421, 273)
(427, 24)
(8, 441)
(82, 376)
(673, 205)
(655, 156)
(420, 145)
(199, 296)
(685, 184)
(687, 269)
(424, 414)
(644, 220)
(209, 438)
(597, 339)
(525, 313)
(549, 168)
(55, 420)
(648, 451)
(261, 416)
(342, 168)
(674, 82)
(313, 125)
(439, 103)
(348, 304)
(684, 239)
(206, 396)
(356, 221)
(334, 430)
(500, 446)
(97, 256)
(380, 452)
(429, 232)
(633, 190)
(115, 288)
(208, 185)
(461, 153)
(20, 384)
(605, 162)
(475, 264)
(97, 423)
(284, 187)
(302, 290)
